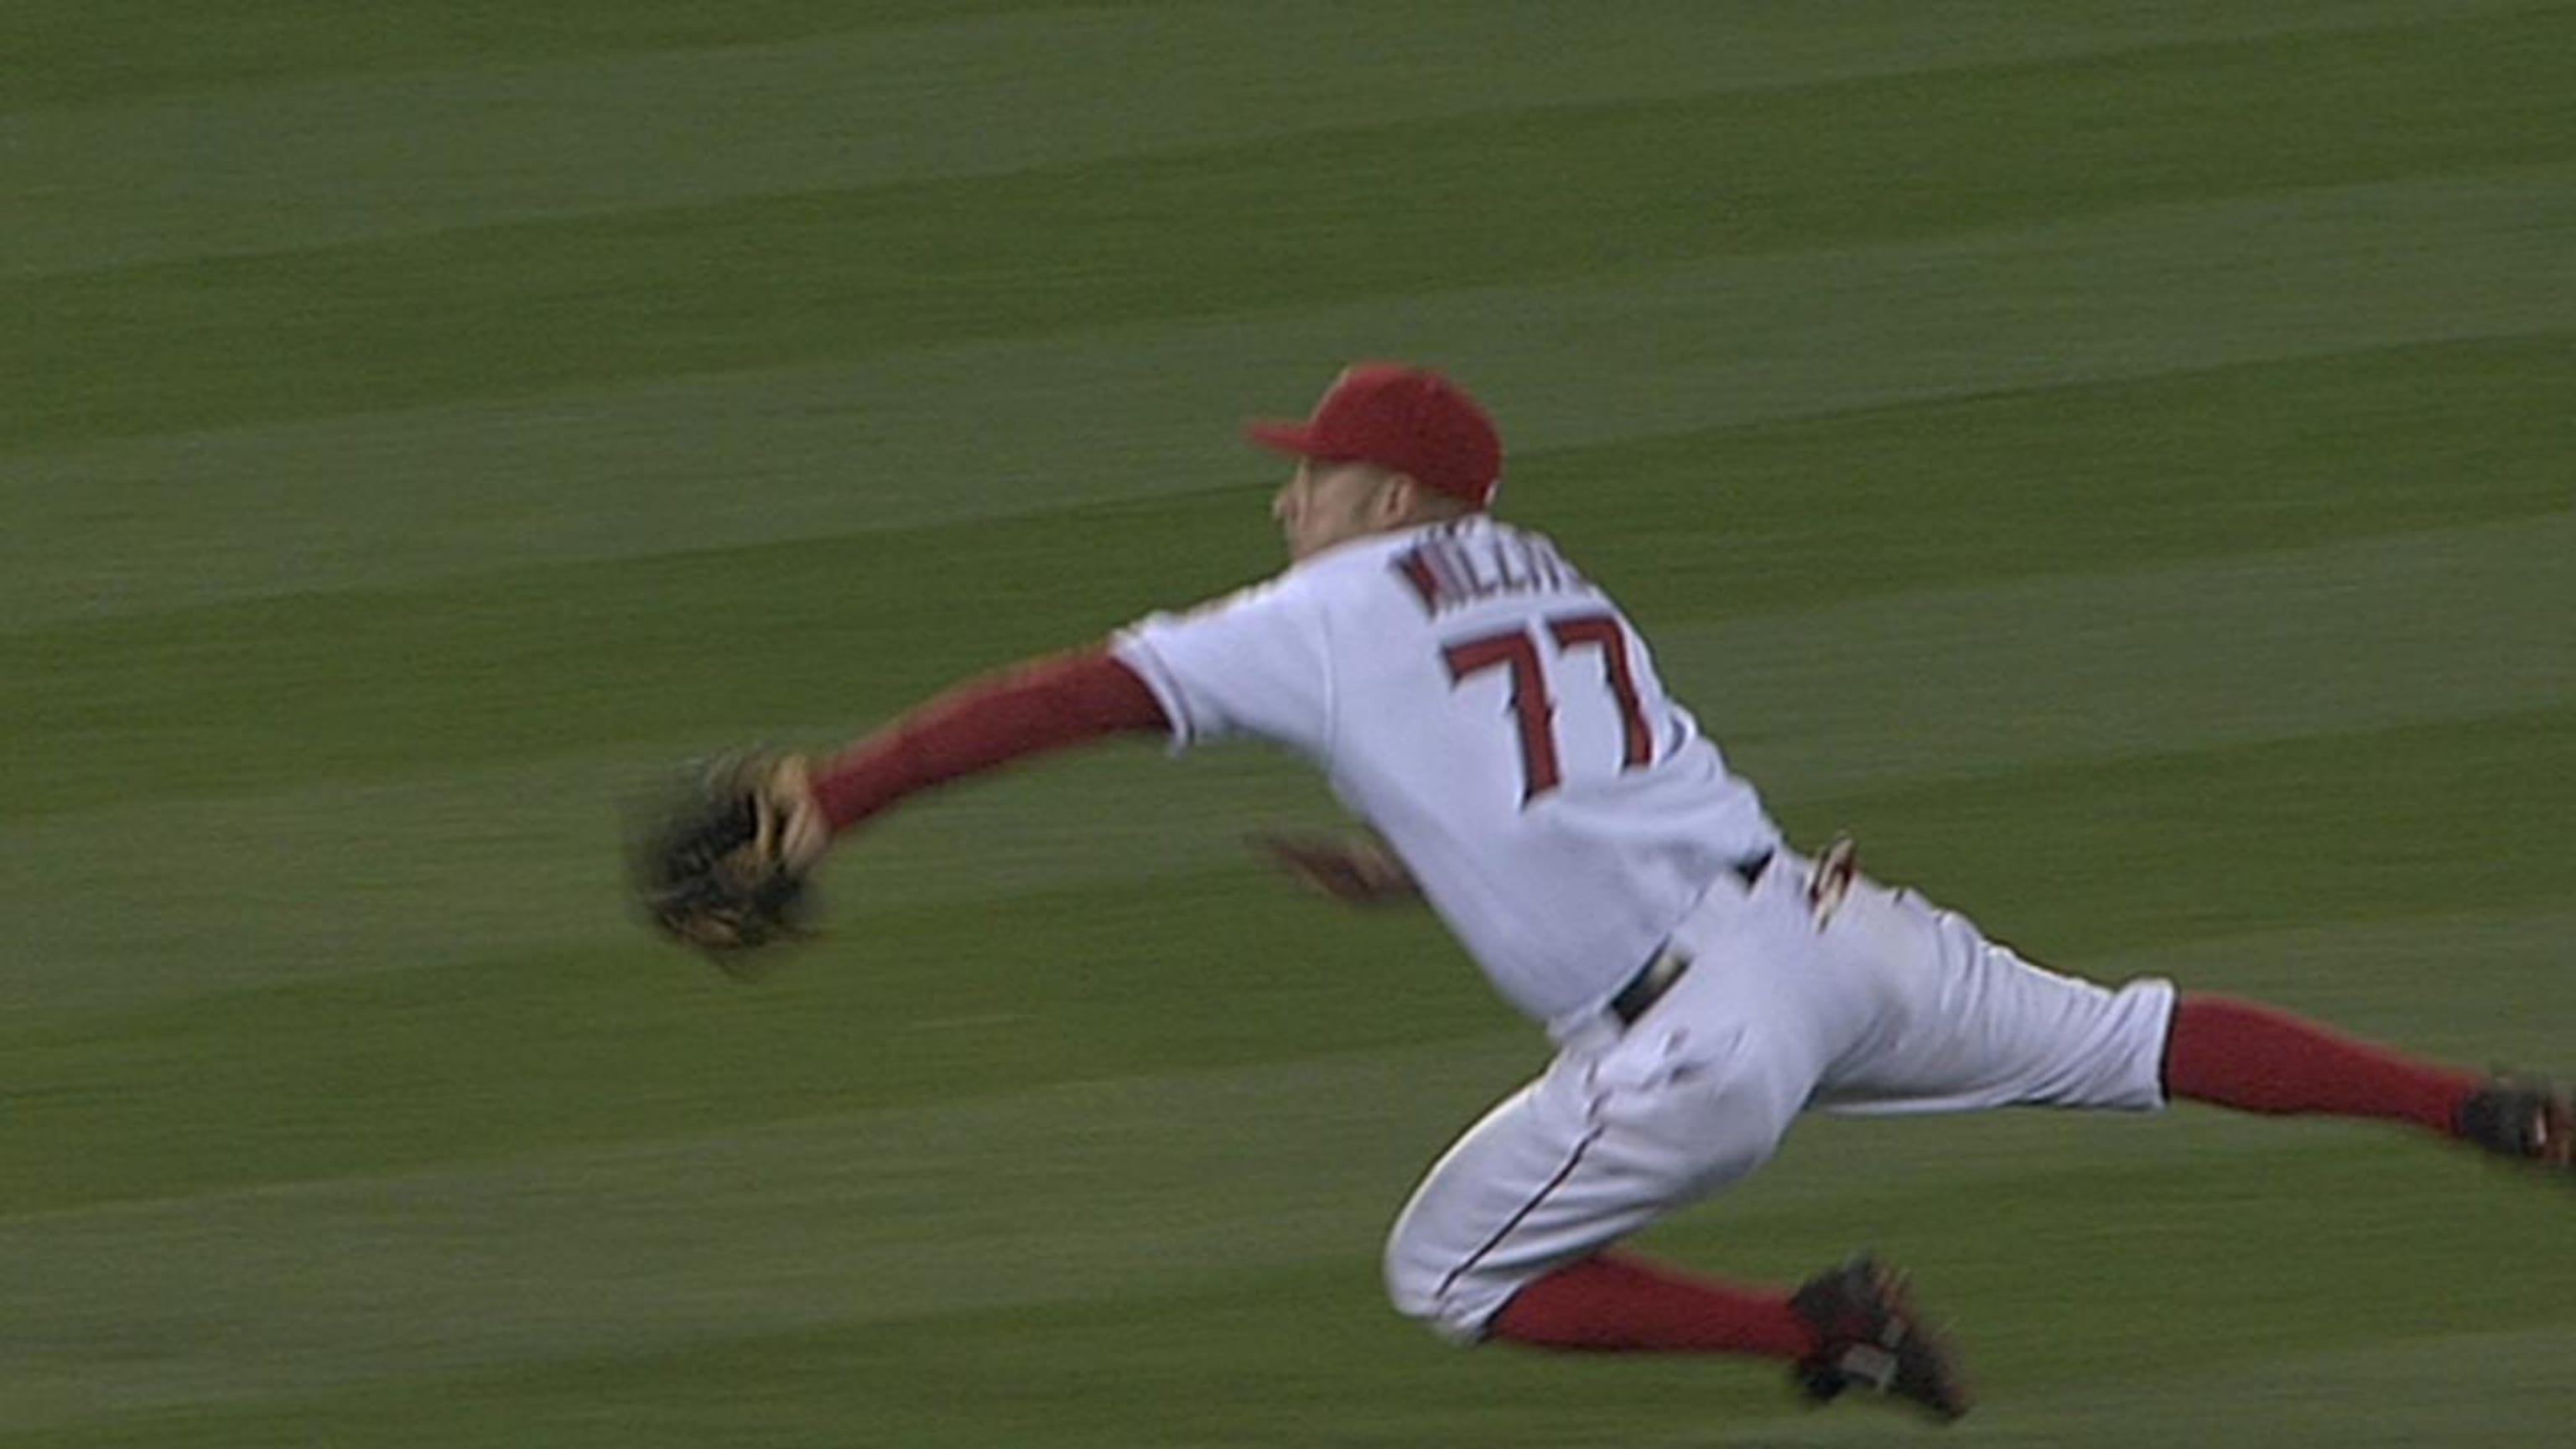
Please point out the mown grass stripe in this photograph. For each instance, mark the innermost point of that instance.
(819, 276)
(1954, 679)
(919, 1211)
(1316, 1342)
(92, 55)
(520, 927)
(968, 431)
(991, 1218)
(1907, 688)
(2192, 467)
(287, 165)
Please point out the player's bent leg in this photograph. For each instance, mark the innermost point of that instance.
(1472, 1194)
(1615, 1302)
(1593, 1151)
(1851, 1328)
(1507, 1238)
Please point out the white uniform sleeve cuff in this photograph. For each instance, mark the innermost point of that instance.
(1138, 655)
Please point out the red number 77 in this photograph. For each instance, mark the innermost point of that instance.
(1533, 712)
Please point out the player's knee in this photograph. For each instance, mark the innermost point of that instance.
(1414, 1291)
(1431, 1296)
(1447, 1316)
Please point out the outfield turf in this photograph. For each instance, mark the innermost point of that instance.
(2112, 456)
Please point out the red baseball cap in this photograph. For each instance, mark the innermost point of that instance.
(1410, 420)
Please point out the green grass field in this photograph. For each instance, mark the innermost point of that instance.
(2113, 457)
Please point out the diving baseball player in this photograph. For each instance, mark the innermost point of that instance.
(1488, 709)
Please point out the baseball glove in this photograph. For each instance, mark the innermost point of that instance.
(726, 865)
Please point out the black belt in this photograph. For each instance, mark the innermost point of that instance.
(1667, 965)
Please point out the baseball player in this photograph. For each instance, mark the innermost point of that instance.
(1488, 709)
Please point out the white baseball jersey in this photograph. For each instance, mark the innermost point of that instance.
(1498, 720)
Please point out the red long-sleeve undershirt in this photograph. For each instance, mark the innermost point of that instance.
(1023, 710)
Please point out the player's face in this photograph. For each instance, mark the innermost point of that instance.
(1329, 503)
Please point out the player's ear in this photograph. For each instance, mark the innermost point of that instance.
(1400, 499)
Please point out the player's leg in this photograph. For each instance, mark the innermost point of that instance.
(2257, 1058)
(2254, 1057)
(1628, 1122)
(1962, 1023)
(1852, 1325)
(1507, 1238)
(1596, 1149)
(1616, 1302)
(1970, 1024)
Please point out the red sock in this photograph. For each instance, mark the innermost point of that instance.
(2256, 1059)
(1617, 1304)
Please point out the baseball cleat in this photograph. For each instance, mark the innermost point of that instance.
(2528, 1119)
(1871, 1339)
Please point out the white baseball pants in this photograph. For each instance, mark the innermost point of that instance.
(1889, 1005)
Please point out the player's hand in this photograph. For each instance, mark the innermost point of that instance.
(1357, 870)
(724, 864)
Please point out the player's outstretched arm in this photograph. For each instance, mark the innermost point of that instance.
(1010, 714)
(724, 867)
